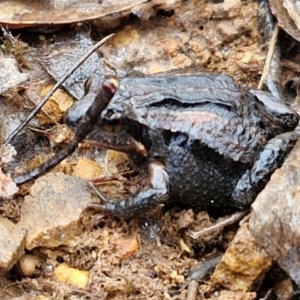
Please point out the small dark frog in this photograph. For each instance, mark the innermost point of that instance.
(198, 139)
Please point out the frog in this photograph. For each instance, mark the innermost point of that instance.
(197, 139)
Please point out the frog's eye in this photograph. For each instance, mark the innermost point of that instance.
(112, 122)
(112, 125)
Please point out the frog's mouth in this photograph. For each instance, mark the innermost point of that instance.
(118, 141)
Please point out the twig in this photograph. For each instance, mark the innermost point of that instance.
(272, 45)
(55, 87)
(204, 268)
(220, 224)
(290, 65)
(85, 125)
(198, 273)
(192, 290)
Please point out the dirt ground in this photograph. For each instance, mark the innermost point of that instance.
(149, 257)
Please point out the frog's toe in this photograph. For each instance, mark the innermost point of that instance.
(154, 193)
(116, 208)
(108, 206)
(96, 206)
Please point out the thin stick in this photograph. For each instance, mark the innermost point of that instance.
(272, 45)
(55, 87)
(220, 224)
(192, 290)
(85, 125)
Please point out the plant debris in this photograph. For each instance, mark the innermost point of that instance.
(149, 258)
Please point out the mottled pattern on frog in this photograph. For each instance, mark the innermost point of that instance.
(198, 175)
(211, 177)
(208, 107)
(218, 141)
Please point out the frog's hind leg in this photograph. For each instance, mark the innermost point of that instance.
(268, 160)
(155, 192)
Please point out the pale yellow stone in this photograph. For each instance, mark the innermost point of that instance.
(75, 277)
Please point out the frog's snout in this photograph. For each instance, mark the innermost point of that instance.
(71, 119)
(74, 114)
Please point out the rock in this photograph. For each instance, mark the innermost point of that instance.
(275, 220)
(244, 263)
(53, 211)
(87, 169)
(7, 186)
(9, 74)
(127, 247)
(12, 244)
(75, 277)
(27, 265)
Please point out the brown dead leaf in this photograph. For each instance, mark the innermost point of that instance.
(287, 15)
(24, 13)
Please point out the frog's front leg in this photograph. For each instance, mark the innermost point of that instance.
(155, 192)
(268, 160)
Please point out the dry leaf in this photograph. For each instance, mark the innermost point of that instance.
(24, 13)
(286, 13)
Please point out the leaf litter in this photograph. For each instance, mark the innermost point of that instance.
(137, 259)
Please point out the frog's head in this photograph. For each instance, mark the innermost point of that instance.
(110, 129)
(75, 113)
(110, 116)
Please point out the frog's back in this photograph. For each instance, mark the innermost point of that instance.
(211, 108)
(187, 88)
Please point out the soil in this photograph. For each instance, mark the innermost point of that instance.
(150, 257)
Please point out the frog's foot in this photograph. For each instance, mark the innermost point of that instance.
(269, 159)
(155, 192)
